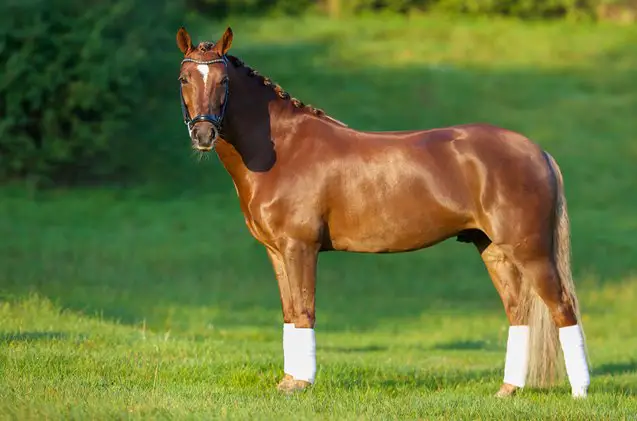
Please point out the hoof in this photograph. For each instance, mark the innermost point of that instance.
(506, 390)
(579, 392)
(288, 385)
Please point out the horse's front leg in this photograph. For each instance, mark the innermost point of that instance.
(294, 263)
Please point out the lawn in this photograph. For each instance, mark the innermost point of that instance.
(153, 301)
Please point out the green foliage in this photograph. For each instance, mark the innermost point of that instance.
(76, 77)
(526, 9)
(518, 8)
(222, 8)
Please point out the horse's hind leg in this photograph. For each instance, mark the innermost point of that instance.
(554, 319)
(508, 282)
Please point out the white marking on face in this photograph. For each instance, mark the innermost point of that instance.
(204, 70)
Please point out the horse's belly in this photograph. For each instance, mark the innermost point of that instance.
(393, 227)
(398, 199)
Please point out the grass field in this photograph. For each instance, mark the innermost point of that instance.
(154, 302)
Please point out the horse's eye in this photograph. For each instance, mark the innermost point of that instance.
(224, 81)
(182, 80)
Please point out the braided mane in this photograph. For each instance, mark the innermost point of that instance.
(278, 90)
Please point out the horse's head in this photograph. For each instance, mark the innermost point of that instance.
(204, 87)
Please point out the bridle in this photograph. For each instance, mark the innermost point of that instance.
(215, 119)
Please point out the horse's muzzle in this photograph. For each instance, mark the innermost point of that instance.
(204, 136)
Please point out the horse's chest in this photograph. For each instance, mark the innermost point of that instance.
(257, 219)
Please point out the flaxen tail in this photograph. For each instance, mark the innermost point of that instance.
(545, 357)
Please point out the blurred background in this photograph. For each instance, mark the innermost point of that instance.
(105, 211)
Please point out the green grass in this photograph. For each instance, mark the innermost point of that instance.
(154, 301)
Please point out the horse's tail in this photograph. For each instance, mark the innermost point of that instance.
(545, 351)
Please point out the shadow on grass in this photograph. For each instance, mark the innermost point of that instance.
(614, 389)
(192, 263)
(467, 346)
(31, 336)
(616, 368)
(354, 349)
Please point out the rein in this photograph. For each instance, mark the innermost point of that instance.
(215, 119)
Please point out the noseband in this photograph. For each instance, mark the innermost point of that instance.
(215, 119)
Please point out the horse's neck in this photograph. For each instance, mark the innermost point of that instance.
(258, 130)
(252, 131)
(248, 148)
(234, 163)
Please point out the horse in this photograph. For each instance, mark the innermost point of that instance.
(308, 183)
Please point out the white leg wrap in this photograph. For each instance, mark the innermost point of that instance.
(299, 352)
(517, 357)
(572, 342)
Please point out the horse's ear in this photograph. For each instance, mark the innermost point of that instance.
(223, 45)
(183, 41)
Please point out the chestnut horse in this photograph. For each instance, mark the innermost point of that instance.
(307, 184)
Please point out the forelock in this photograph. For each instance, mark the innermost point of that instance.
(205, 46)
